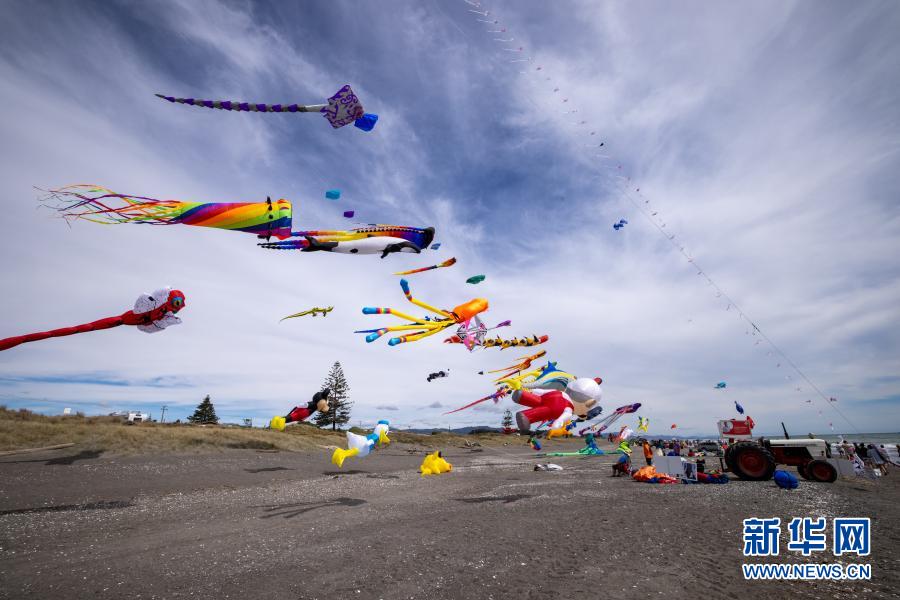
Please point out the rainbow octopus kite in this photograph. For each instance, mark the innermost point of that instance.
(464, 315)
(265, 219)
(342, 109)
(152, 312)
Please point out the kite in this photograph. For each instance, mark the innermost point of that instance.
(721, 385)
(503, 344)
(832, 399)
(435, 464)
(739, 408)
(476, 279)
(473, 334)
(535, 445)
(265, 219)
(447, 263)
(313, 311)
(436, 246)
(622, 223)
(623, 434)
(565, 431)
(342, 109)
(601, 425)
(464, 315)
(349, 214)
(521, 365)
(361, 445)
(673, 426)
(319, 403)
(333, 194)
(151, 313)
(546, 378)
(549, 403)
(372, 239)
(432, 376)
(643, 424)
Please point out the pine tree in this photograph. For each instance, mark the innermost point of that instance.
(339, 403)
(205, 413)
(507, 419)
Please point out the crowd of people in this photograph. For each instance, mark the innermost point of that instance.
(873, 456)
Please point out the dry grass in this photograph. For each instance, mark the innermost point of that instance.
(24, 429)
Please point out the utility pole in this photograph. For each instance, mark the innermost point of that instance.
(162, 418)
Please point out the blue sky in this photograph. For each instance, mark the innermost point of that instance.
(764, 136)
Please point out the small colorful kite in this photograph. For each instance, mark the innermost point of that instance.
(313, 311)
(349, 214)
(333, 194)
(518, 367)
(152, 312)
(342, 109)
(721, 385)
(438, 375)
(622, 223)
(673, 426)
(447, 263)
(739, 408)
(643, 424)
(476, 279)
(436, 246)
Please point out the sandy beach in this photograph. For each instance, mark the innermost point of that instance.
(244, 523)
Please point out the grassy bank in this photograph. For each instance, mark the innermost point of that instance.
(24, 429)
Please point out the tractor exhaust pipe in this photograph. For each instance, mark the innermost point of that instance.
(786, 436)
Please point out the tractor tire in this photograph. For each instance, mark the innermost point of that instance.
(728, 457)
(821, 471)
(803, 472)
(752, 462)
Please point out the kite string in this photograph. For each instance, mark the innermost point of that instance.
(741, 314)
(660, 226)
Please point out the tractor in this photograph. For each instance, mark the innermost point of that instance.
(755, 460)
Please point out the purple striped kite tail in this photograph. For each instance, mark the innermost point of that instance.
(243, 106)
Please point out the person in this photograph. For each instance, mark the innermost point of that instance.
(622, 466)
(659, 451)
(861, 451)
(648, 453)
(878, 461)
(677, 448)
(887, 456)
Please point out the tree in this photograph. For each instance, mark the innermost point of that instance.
(507, 419)
(338, 399)
(205, 413)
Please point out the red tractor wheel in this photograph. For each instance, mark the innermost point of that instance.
(803, 472)
(821, 471)
(752, 462)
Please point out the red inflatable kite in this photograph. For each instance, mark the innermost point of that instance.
(151, 313)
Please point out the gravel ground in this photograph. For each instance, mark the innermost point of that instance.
(245, 524)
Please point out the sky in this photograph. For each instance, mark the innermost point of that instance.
(764, 136)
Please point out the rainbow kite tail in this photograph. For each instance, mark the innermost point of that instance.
(101, 205)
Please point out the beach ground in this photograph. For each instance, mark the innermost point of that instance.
(256, 524)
